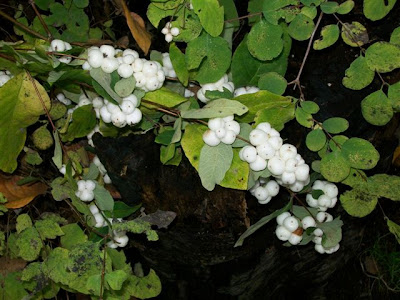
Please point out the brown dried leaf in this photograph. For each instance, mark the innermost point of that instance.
(137, 27)
(19, 196)
(396, 157)
(8, 265)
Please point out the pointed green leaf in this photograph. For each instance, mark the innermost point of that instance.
(237, 175)
(103, 198)
(163, 96)
(192, 143)
(104, 80)
(216, 109)
(83, 122)
(179, 64)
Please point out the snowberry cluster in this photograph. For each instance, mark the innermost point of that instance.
(85, 190)
(148, 74)
(289, 229)
(5, 76)
(282, 160)
(326, 200)
(318, 233)
(61, 97)
(264, 190)
(102, 170)
(216, 86)
(167, 65)
(120, 239)
(61, 46)
(127, 113)
(246, 90)
(222, 130)
(169, 32)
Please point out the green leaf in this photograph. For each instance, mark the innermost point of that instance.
(57, 157)
(237, 175)
(315, 140)
(377, 9)
(209, 56)
(337, 140)
(83, 122)
(179, 64)
(93, 284)
(358, 203)
(212, 95)
(354, 34)
(394, 228)
(345, 7)
(276, 116)
(192, 143)
(272, 82)
(216, 109)
(93, 172)
(245, 130)
(310, 12)
(377, 109)
(12, 288)
(125, 86)
(329, 7)
(301, 27)
(383, 57)
(335, 125)
(61, 189)
(165, 137)
(332, 233)
(230, 13)
(144, 287)
(335, 167)
(317, 193)
(214, 163)
(253, 228)
(20, 107)
(211, 15)
(395, 37)
(394, 96)
(104, 80)
(329, 36)
(122, 210)
(304, 118)
(81, 3)
(360, 153)
(48, 229)
(29, 244)
(167, 153)
(155, 14)
(301, 212)
(116, 279)
(190, 27)
(163, 96)
(259, 101)
(383, 185)
(24, 221)
(73, 236)
(358, 75)
(310, 107)
(103, 198)
(355, 178)
(265, 40)
(246, 69)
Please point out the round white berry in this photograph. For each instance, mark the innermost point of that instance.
(228, 118)
(229, 137)
(276, 142)
(65, 59)
(319, 249)
(318, 232)
(272, 188)
(149, 68)
(100, 222)
(330, 190)
(131, 98)
(276, 166)
(258, 137)
(107, 179)
(110, 64)
(291, 223)
(248, 154)
(174, 31)
(105, 114)
(118, 118)
(259, 164)
(282, 233)
(135, 117)
(215, 124)
(107, 50)
(282, 217)
(57, 45)
(302, 172)
(90, 185)
(311, 201)
(125, 70)
(220, 132)
(234, 126)
(307, 222)
(318, 185)
(169, 37)
(127, 107)
(297, 186)
(95, 58)
(287, 151)
(261, 193)
(265, 126)
(93, 209)
(210, 138)
(140, 79)
(86, 195)
(152, 83)
(137, 65)
(130, 52)
(324, 202)
(86, 66)
(295, 239)
(128, 59)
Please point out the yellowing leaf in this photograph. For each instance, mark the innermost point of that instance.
(19, 196)
(137, 28)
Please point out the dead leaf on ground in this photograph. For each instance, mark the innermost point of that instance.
(19, 196)
(8, 265)
(137, 27)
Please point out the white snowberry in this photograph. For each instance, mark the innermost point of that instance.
(210, 138)
(272, 187)
(282, 233)
(291, 223)
(259, 164)
(257, 137)
(282, 217)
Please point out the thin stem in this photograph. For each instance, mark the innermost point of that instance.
(63, 54)
(296, 81)
(244, 17)
(10, 58)
(294, 195)
(103, 270)
(22, 26)
(49, 35)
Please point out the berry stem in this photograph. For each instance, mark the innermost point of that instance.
(49, 35)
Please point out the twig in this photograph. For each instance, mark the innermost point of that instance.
(49, 35)
(294, 195)
(10, 58)
(22, 26)
(243, 17)
(296, 81)
(63, 54)
(103, 270)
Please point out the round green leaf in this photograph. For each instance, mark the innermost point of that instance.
(355, 178)
(310, 12)
(334, 167)
(358, 75)
(377, 9)
(211, 15)
(310, 107)
(329, 7)
(301, 27)
(329, 35)
(384, 185)
(360, 153)
(394, 96)
(395, 37)
(272, 82)
(303, 118)
(337, 140)
(265, 40)
(354, 34)
(377, 108)
(335, 125)
(358, 203)
(81, 3)
(383, 57)
(315, 140)
(345, 7)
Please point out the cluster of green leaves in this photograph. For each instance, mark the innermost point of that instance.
(381, 57)
(76, 265)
